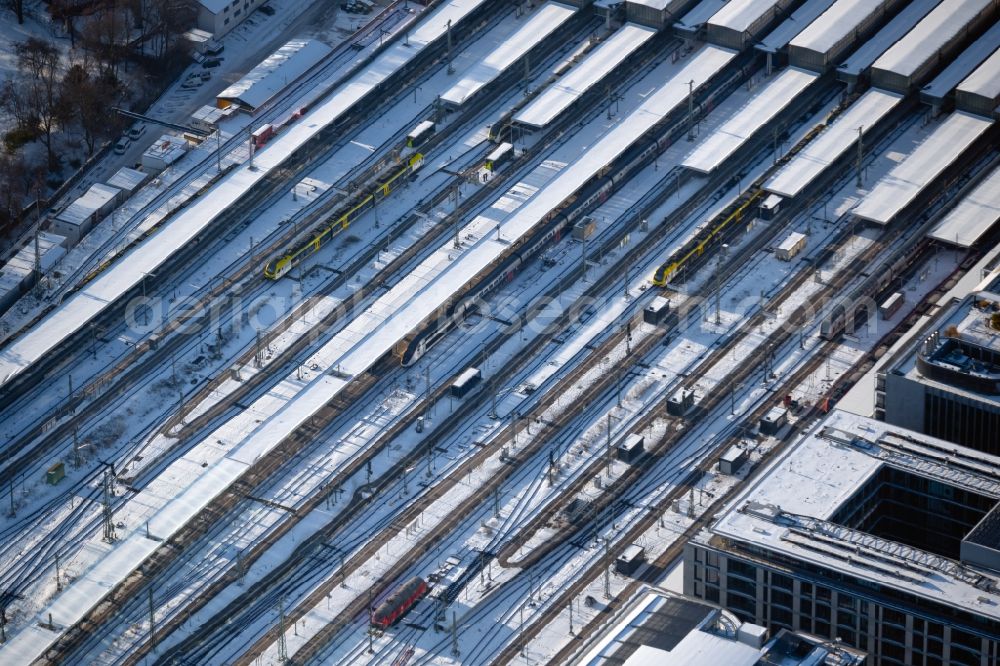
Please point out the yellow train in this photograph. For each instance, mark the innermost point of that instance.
(277, 267)
(697, 246)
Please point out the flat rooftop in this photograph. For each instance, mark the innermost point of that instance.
(907, 179)
(927, 38)
(891, 32)
(275, 72)
(962, 66)
(985, 80)
(796, 508)
(542, 23)
(842, 18)
(584, 75)
(739, 15)
(972, 217)
(801, 18)
(840, 135)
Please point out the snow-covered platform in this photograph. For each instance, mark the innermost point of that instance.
(908, 178)
(973, 215)
(743, 124)
(961, 67)
(859, 61)
(831, 143)
(592, 69)
(542, 23)
(80, 308)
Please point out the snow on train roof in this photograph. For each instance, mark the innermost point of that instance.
(975, 213)
(273, 73)
(739, 15)
(890, 33)
(908, 178)
(841, 19)
(595, 66)
(985, 80)
(838, 136)
(746, 121)
(926, 38)
(963, 65)
(542, 23)
(801, 19)
(84, 305)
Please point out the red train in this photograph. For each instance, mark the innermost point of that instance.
(399, 602)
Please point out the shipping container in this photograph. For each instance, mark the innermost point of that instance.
(891, 305)
(55, 474)
(770, 207)
(773, 421)
(585, 228)
(656, 312)
(791, 246)
(631, 449)
(731, 461)
(630, 560)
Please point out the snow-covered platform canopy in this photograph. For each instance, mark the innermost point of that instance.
(908, 178)
(108, 287)
(824, 40)
(961, 67)
(543, 22)
(862, 59)
(757, 112)
(740, 21)
(832, 142)
(691, 23)
(801, 18)
(980, 91)
(594, 67)
(275, 72)
(907, 61)
(973, 215)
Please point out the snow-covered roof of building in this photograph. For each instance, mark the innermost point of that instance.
(973, 215)
(746, 121)
(699, 15)
(801, 19)
(926, 38)
(595, 66)
(127, 179)
(792, 241)
(985, 80)
(890, 33)
(50, 251)
(659, 5)
(838, 21)
(908, 178)
(214, 6)
(802, 490)
(831, 143)
(93, 200)
(543, 22)
(168, 149)
(962, 66)
(739, 15)
(275, 72)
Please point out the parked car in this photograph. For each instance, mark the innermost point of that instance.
(136, 131)
(267, 9)
(121, 145)
(211, 62)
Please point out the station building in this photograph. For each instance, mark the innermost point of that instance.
(866, 535)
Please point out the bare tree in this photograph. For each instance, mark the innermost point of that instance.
(90, 99)
(38, 65)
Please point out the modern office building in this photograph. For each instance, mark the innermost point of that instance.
(945, 381)
(868, 535)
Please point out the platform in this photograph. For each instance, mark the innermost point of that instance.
(542, 23)
(832, 142)
(746, 121)
(979, 210)
(902, 185)
(594, 67)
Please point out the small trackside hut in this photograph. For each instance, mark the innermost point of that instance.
(465, 382)
(631, 448)
(631, 559)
